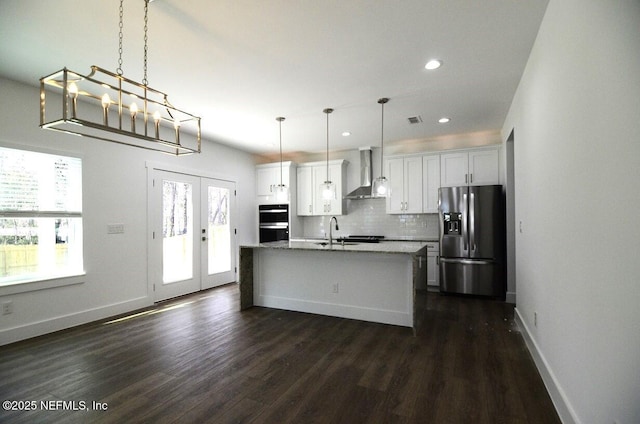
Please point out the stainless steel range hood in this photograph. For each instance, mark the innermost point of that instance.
(366, 176)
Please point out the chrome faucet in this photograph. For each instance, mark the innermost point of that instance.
(333, 218)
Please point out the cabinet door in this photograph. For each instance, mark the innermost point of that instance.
(320, 205)
(430, 183)
(433, 267)
(432, 271)
(413, 185)
(305, 191)
(334, 206)
(454, 169)
(266, 179)
(394, 171)
(484, 167)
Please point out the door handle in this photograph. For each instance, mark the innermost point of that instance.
(472, 219)
(465, 227)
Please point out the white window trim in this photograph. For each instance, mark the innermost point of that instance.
(44, 282)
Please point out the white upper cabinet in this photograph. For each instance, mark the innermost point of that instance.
(472, 167)
(484, 167)
(309, 195)
(454, 169)
(305, 191)
(430, 183)
(267, 179)
(405, 182)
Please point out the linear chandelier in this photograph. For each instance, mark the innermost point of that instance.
(107, 106)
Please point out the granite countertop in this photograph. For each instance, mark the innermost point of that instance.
(403, 247)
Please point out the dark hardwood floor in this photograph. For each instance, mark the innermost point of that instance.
(197, 359)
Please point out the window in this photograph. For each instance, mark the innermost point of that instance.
(40, 216)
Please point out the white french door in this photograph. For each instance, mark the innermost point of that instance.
(192, 245)
(217, 232)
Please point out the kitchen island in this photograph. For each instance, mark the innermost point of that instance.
(367, 281)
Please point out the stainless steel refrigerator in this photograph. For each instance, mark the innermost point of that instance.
(472, 240)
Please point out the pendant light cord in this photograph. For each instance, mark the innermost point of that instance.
(328, 111)
(382, 143)
(382, 101)
(280, 119)
(120, 26)
(146, 28)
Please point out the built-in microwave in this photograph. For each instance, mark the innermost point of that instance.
(273, 222)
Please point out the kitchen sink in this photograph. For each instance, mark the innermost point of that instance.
(335, 243)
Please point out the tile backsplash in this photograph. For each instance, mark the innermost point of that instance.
(369, 217)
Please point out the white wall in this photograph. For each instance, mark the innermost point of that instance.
(576, 117)
(115, 191)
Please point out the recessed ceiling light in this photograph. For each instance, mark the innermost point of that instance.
(433, 64)
(444, 120)
(346, 134)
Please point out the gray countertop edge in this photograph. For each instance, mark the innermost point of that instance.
(395, 247)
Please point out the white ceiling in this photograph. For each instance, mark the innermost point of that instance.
(241, 63)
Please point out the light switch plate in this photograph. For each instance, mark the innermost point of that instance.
(115, 228)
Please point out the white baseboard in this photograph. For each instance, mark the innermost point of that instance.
(34, 329)
(404, 319)
(510, 297)
(558, 397)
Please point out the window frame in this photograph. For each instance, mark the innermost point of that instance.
(48, 281)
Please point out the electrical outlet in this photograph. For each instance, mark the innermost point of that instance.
(7, 308)
(520, 227)
(336, 288)
(535, 319)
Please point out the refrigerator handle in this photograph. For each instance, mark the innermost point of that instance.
(465, 225)
(472, 223)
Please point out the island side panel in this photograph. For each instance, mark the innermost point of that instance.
(374, 287)
(246, 277)
(419, 272)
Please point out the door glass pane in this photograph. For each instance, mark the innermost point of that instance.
(177, 231)
(219, 230)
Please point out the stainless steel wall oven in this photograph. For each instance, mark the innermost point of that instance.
(273, 222)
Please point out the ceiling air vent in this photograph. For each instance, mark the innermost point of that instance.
(415, 119)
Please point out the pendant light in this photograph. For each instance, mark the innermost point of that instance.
(282, 191)
(327, 188)
(381, 184)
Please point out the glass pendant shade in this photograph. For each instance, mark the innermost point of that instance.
(381, 187)
(282, 193)
(328, 190)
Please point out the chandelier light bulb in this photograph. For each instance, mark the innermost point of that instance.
(73, 89)
(106, 101)
(156, 123)
(73, 93)
(134, 110)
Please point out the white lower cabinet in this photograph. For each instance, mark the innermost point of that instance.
(433, 265)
